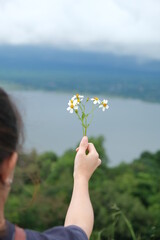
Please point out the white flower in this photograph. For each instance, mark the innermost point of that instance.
(104, 105)
(95, 100)
(78, 98)
(72, 106)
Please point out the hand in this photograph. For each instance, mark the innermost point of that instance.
(86, 164)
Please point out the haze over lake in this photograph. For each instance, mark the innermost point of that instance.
(129, 126)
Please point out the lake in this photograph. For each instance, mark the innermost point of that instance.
(129, 126)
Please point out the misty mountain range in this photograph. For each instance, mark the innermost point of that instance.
(54, 69)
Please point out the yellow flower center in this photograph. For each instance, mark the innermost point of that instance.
(71, 101)
(78, 100)
(77, 95)
(72, 106)
(104, 104)
(96, 98)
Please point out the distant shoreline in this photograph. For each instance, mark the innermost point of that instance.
(20, 87)
(48, 69)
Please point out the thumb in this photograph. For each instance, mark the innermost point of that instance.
(83, 144)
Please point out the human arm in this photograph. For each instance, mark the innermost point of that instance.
(80, 211)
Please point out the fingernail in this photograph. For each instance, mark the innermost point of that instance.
(85, 138)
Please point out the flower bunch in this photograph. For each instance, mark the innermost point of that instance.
(77, 105)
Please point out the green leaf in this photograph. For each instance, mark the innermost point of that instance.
(83, 115)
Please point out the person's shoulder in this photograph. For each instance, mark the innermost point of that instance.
(58, 233)
(76, 232)
(8, 232)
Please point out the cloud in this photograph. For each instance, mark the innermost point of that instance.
(118, 26)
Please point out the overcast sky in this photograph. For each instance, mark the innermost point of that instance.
(120, 26)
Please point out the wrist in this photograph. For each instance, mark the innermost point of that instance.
(81, 179)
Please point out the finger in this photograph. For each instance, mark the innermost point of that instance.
(83, 144)
(77, 149)
(91, 148)
(99, 162)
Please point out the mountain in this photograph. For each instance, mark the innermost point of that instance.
(56, 69)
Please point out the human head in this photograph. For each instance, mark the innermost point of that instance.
(10, 129)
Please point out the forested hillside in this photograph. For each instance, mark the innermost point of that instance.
(43, 187)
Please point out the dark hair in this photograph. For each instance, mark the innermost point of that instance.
(11, 126)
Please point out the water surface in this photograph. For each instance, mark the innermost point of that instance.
(129, 126)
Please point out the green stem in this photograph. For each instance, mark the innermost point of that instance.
(100, 233)
(81, 122)
(129, 226)
(85, 125)
(113, 227)
(79, 116)
(93, 108)
(91, 119)
(81, 108)
(85, 132)
(92, 112)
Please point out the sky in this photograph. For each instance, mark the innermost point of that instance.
(123, 27)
